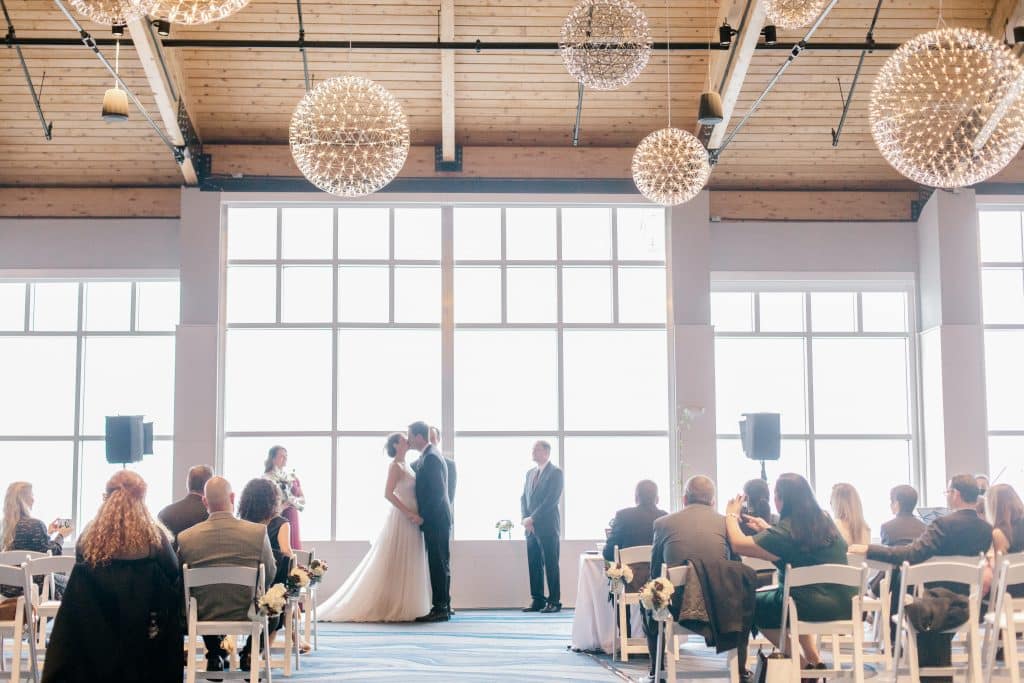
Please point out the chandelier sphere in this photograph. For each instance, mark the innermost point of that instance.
(111, 12)
(946, 109)
(670, 166)
(792, 14)
(605, 44)
(192, 12)
(349, 136)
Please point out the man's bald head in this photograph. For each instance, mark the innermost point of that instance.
(218, 495)
(699, 489)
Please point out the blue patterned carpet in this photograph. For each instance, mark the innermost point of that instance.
(475, 646)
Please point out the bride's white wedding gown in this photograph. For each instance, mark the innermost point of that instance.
(392, 582)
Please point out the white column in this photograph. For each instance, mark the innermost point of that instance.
(198, 347)
(691, 344)
(952, 342)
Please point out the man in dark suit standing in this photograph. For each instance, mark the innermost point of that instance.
(436, 511)
(190, 510)
(961, 532)
(543, 523)
(435, 441)
(635, 526)
(904, 528)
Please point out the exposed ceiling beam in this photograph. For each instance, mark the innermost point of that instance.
(1003, 14)
(729, 83)
(164, 91)
(447, 82)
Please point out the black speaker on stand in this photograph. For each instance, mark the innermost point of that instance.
(761, 437)
(127, 439)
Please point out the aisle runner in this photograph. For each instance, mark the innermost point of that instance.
(477, 646)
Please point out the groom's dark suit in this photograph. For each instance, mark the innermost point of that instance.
(541, 493)
(436, 511)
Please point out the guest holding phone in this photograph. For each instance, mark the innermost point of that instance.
(21, 531)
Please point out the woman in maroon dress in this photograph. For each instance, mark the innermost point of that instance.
(292, 499)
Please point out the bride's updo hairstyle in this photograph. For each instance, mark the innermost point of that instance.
(391, 445)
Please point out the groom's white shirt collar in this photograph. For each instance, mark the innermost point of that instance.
(540, 468)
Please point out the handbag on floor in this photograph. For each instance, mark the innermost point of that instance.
(773, 668)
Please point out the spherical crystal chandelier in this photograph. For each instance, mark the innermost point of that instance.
(946, 109)
(111, 12)
(349, 136)
(194, 11)
(605, 44)
(670, 166)
(792, 13)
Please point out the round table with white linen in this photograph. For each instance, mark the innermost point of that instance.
(593, 623)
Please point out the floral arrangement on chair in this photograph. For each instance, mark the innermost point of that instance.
(273, 601)
(298, 578)
(317, 569)
(504, 527)
(656, 596)
(619, 576)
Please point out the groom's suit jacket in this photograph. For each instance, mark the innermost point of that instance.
(432, 490)
(541, 494)
(453, 475)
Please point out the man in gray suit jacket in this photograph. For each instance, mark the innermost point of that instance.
(224, 541)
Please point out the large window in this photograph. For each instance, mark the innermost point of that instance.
(837, 366)
(501, 325)
(71, 353)
(1002, 285)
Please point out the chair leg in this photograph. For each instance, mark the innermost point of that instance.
(671, 655)
(858, 651)
(316, 623)
(620, 627)
(266, 649)
(974, 654)
(659, 651)
(911, 655)
(190, 658)
(733, 662)
(16, 651)
(1010, 656)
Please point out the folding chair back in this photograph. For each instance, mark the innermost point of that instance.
(627, 645)
(17, 629)
(19, 557)
(1006, 620)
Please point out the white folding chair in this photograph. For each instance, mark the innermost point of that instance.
(16, 558)
(960, 570)
(878, 648)
(289, 646)
(628, 645)
(308, 599)
(255, 626)
(43, 603)
(835, 631)
(674, 637)
(17, 629)
(1006, 618)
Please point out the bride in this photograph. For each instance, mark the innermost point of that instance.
(391, 582)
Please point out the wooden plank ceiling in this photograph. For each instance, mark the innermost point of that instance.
(501, 98)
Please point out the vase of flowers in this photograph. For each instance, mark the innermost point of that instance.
(504, 527)
(656, 596)
(317, 569)
(619, 576)
(298, 578)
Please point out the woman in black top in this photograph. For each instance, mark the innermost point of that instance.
(1006, 514)
(261, 503)
(21, 531)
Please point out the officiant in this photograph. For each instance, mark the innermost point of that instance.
(542, 520)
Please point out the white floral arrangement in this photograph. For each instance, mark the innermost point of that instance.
(317, 569)
(273, 601)
(285, 480)
(504, 527)
(619, 575)
(298, 578)
(656, 596)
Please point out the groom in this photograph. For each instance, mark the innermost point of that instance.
(436, 511)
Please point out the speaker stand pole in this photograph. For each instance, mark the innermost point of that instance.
(764, 475)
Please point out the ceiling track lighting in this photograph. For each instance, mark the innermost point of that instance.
(726, 32)
(163, 27)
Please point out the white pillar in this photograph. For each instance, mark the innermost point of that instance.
(952, 342)
(198, 347)
(692, 344)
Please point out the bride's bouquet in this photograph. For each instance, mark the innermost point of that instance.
(317, 569)
(286, 482)
(273, 601)
(619, 575)
(656, 596)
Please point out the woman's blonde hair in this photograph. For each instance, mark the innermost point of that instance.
(846, 506)
(16, 508)
(123, 525)
(1003, 508)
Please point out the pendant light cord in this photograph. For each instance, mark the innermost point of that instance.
(668, 63)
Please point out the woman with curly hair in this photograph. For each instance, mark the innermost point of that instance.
(121, 598)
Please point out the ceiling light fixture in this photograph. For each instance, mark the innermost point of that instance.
(946, 108)
(349, 136)
(192, 12)
(115, 100)
(605, 44)
(114, 13)
(791, 14)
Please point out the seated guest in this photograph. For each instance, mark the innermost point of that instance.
(635, 526)
(21, 531)
(261, 503)
(120, 619)
(223, 541)
(848, 514)
(982, 481)
(1006, 514)
(757, 503)
(961, 532)
(190, 510)
(904, 527)
(805, 536)
(697, 532)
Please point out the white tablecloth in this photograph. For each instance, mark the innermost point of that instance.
(593, 623)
